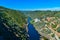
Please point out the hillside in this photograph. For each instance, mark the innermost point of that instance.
(13, 21)
(41, 14)
(47, 23)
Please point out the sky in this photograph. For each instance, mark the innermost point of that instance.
(31, 4)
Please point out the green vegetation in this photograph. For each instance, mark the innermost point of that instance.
(47, 19)
(42, 14)
(54, 26)
(58, 29)
(52, 35)
(32, 21)
(14, 20)
(47, 31)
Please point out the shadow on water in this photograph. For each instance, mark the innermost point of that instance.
(33, 34)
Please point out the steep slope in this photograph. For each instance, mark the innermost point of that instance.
(14, 22)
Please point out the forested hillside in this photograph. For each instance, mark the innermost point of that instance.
(12, 23)
(42, 14)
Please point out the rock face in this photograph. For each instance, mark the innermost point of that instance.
(36, 20)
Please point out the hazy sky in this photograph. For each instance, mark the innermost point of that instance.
(30, 4)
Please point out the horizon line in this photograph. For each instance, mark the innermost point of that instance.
(43, 9)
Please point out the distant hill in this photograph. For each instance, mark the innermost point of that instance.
(41, 13)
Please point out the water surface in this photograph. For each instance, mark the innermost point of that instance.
(33, 34)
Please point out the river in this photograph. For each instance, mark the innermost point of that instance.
(33, 34)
